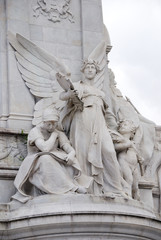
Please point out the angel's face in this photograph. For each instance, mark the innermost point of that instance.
(125, 127)
(50, 126)
(90, 71)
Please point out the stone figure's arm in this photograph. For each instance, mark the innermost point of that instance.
(70, 151)
(66, 146)
(73, 96)
(66, 95)
(110, 119)
(46, 146)
(121, 146)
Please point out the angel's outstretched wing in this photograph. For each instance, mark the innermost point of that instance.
(38, 69)
(99, 56)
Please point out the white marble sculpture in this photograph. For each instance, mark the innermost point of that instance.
(145, 129)
(86, 118)
(89, 134)
(82, 108)
(128, 157)
(77, 160)
(50, 166)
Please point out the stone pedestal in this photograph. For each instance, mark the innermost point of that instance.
(69, 35)
(156, 199)
(79, 217)
(7, 189)
(146, 194)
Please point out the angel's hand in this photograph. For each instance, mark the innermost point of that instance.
(72, 94)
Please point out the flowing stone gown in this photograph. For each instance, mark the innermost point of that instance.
(43, 170)
(91, 140)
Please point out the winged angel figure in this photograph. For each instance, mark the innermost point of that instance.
(82, 106)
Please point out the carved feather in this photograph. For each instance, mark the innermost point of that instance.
(99, 56)
(38, 70)
(37, 66)
(26, 54)
(37, 83)
(42, 55)
(31, 67)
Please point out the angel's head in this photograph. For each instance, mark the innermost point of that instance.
(50, 119)
(90, 68)
(127, 126)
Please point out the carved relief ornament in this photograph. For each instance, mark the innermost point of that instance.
(54, 10)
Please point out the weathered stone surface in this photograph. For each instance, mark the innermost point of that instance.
(63, 39)
(93, 165)
(77, 217)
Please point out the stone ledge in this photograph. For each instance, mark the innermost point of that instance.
(78, 203)
(76, 216)
(8, 173)
(13, 131)
(83, 226)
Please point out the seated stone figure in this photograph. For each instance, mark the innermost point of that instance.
(50, 166)
(128, 158)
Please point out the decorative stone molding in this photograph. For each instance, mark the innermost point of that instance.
(54, 10)
(13, 149)
(158, 138)
(91, 217)
(146, 192)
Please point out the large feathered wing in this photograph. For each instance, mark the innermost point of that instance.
(99, 56)
(38, 69)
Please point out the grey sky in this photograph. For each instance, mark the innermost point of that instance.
(135, 31)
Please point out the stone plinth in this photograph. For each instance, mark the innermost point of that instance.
(79, 217)
(70, 34)
(146, 192)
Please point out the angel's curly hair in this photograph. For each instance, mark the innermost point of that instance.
(132, 126)
(90, 61)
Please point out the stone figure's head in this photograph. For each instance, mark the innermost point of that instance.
(127, 126)
(50, 119)
(90, 68)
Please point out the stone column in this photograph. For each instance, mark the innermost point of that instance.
(146, 195)
(3, 66)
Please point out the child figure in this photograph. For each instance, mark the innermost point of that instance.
(128, 157)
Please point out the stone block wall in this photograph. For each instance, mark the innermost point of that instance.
(71, 36)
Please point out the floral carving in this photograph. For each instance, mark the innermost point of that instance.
(54, 10)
